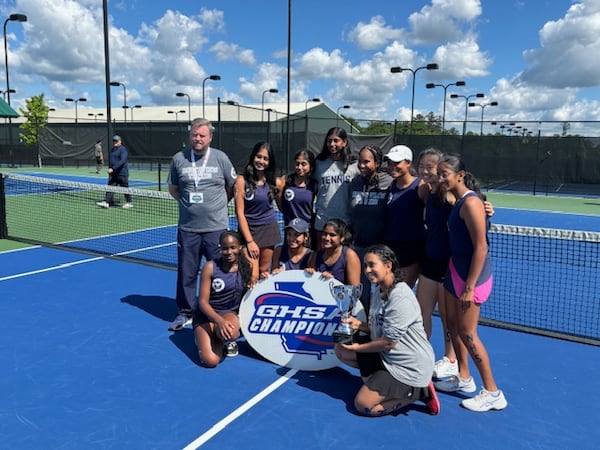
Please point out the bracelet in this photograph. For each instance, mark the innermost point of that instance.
(250, 242)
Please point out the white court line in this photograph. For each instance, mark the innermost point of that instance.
(220, 426)
(49, 269)
(82, 261)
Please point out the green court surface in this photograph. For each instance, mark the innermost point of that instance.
(571, 205)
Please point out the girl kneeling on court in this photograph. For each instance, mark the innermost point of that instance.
(223, 283)
(396, 364)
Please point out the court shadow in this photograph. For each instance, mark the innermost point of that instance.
(184, 341)
(247, 351)
(163, 308)
(337, 383)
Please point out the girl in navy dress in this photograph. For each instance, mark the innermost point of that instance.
(223, 282)
(430, 289)
(404, 230)
(295, 252)
(468, 284)
(336, 259)
(255, 192)
(296, 191)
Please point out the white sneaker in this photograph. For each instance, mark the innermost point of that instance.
(102, 204)
(445, 368)
(180, 322)
(486, 400)
(456, 384)
(128, 205)
(231, 349)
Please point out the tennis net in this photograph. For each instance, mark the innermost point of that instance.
(64, 213)
(545, 280)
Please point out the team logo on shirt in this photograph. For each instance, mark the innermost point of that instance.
(289, 319)
(289, 195)
(249, 194)
(218, 284)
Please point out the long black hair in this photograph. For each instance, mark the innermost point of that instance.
(342, 229)
(456, 165)
(387, 255)
(244, 267)
(310, 158)
(250, 173)
(325, 153)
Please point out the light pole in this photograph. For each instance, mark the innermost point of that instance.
(182, 111)
(211, 77)
(12, 91)
(132, 108)
(118, 83)
(76, 100)
(95, 116)
(337, 119)
(11, 18)
(315, 99)
(262, 108)
(445, 87)
(482, 106)
(430, 66)
(183, 94)
(467, 98)
(232, 103)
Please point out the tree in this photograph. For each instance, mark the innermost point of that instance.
(36, 113)
(378, 128)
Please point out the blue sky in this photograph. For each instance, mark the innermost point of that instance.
(536, 58)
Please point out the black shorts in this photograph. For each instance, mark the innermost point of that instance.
(408, 252)
(267, 235)
(386, 385)
(434, 269)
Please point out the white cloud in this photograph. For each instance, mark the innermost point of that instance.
(375, 34)
(441, 21)
(568, 48)
(462, 59)
(233, 52)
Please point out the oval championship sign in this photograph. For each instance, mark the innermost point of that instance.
(289, 319)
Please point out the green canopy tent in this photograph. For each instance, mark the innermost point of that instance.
(6, 111)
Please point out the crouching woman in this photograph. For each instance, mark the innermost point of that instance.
(223, 283)
(396, 364)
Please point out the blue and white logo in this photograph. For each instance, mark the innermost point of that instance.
(289, 319)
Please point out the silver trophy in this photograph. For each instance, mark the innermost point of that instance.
(345, 296)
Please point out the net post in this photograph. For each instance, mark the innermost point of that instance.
(3, 224)
(159, 176)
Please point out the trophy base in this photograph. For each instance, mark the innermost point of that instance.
(340, 337)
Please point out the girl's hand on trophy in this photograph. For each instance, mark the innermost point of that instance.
(354, 322)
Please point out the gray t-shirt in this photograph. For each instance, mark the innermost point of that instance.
(333, 198)
(399, 319)
(202, 197)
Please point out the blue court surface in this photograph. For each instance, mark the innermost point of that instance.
(86, 362)
(98, 179)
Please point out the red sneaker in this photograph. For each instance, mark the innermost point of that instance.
(433, 403)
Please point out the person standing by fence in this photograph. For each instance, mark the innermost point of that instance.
(118, 173)
(99, 155)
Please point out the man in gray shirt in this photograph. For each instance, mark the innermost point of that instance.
(201, 179)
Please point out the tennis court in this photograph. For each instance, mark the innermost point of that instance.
(87, 362)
